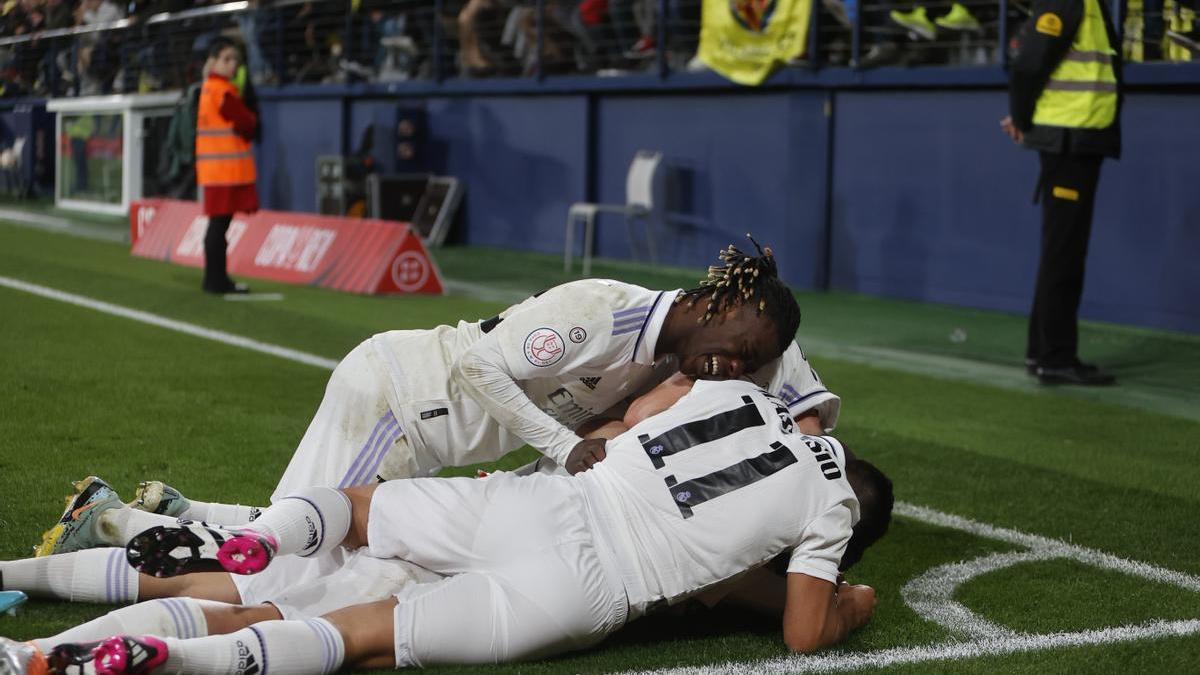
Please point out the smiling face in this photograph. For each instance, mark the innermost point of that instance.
(733, 343)
(225, 63)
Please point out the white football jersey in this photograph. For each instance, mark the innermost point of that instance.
(794, 380)
(531, 374)
(719, 483)
(546, 365)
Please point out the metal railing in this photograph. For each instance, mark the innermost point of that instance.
(347, 41)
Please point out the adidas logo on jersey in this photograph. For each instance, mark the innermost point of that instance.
(590, 382)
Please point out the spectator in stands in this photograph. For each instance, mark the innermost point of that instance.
(58, 15)
(1154, 23)
(633, 23)
(1064, 98)
(96, 61)
(225, 170)
(478, 22)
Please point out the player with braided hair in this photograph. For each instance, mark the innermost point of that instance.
(743, 279)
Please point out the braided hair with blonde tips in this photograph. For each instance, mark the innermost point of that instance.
(745, 279)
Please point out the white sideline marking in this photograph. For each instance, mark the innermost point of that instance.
(950, 651)
(253, 297)
(930, 595)
(170, 324)
(48, 223)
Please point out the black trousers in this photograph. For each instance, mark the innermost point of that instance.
(1067, 189)
(215, 276)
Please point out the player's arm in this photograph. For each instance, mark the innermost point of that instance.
(819, 614)
(535, 341)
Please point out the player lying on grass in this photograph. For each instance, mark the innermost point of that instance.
(746, 316)
(294, 587)
(539, 565)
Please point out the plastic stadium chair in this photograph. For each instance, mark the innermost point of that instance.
(640, 202)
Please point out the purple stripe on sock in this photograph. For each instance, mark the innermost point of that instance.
(181, 629)
(262, 645)
(184, 612)
(108, 577)
(365, 477)
(326, 642)
(123, 569)
(382, 427)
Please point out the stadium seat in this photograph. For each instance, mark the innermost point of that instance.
(640, 188)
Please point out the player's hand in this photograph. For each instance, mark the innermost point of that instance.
(857, 603)
(1011, 130)
(585, 454)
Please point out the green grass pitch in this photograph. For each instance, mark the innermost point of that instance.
(935, 395)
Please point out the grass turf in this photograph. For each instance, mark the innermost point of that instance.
(954, 422)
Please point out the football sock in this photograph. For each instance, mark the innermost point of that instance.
(118, 526)
(169, 617)
(94, 575)
(280, 647)
(221, 514)
(311, 521)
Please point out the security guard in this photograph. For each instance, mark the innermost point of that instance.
(1064, 102)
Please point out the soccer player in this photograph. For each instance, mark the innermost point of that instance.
(406, 403)
(202, 604)
(718, 484)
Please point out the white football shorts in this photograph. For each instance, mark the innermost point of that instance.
(354, 438)
(526, 579)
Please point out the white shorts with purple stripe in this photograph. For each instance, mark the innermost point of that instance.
(354, 438)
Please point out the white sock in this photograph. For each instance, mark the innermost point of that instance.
(280, 647)
(221, 514)
(118, 526)
(169, 617)
(311, 521)
(94, 575)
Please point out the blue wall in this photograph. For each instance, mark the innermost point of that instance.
(902, 193)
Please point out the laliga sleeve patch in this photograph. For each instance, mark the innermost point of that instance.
(544, 347)
(1049, 24)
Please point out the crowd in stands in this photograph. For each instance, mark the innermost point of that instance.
(46, 48)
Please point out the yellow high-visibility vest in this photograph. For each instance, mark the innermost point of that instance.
(1082, 91)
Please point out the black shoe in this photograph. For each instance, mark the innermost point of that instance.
(229, 286)
(1077, 373)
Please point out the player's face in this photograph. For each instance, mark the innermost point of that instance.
(732, 344)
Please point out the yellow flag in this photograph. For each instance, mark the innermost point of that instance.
(746, 40)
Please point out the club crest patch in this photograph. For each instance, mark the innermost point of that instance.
(1049, 24)
(544, 347)
(577, 334)
(753, 15)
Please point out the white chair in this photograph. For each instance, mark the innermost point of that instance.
(641, 185)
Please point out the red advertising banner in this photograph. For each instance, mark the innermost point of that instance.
(347, 254)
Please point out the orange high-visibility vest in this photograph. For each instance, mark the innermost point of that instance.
(222, 156)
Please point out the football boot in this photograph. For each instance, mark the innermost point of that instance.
(154, 496)
(80, 527)
(121, 655)
(21, 658)
(191, 546)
